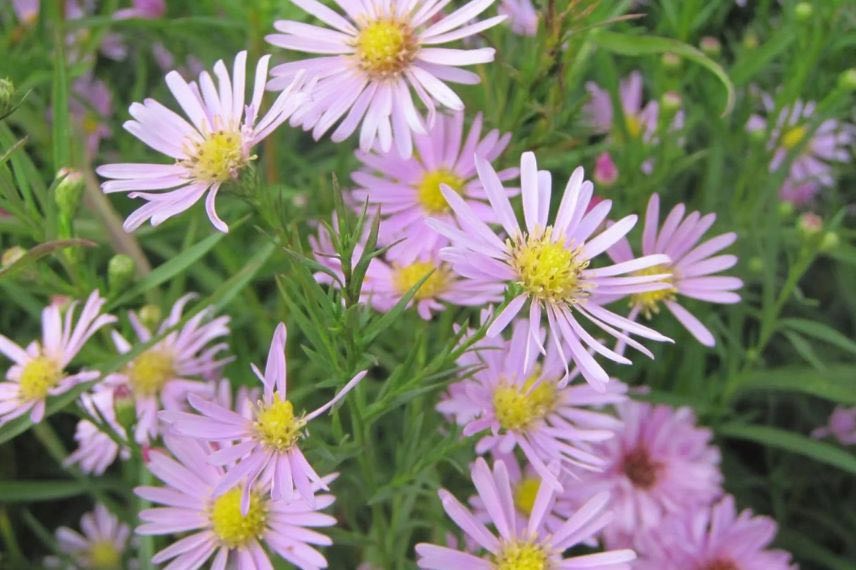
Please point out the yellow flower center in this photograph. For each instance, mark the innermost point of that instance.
(103, 555)
(406, 277)
(219, 157)
(548, 270)
(232, 527)
(649, 302)
(38, 377)
(150, 371)
(276, 426)
(634, 126)
(385, 47)
(793, 137)
(428, 190)
(521, 556)
(525, 493)
(516, 406)
(90, 123)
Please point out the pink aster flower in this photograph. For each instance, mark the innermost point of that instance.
(547, 265)
(387, 281)
(690, 269)
(216, 525)
(408, 190)
(841, 426)
(91, 109)
(267, 451)
(102, 544)
(39, 370)
(513, 545)
(523, 405)
(144, 9)
(371, 61)
(96, 450)
(209, 151)
(522, 16)
(815, 150)
(659, 462)
(164, 375)
(715, 538)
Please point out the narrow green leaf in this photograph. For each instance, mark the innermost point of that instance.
(822, 332)
(49, 490)
(835, 383)
(59, 92)
(793, 443)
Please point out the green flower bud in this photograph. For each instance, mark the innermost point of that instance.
(125, 408)
(750, 40)
(756, 264)
(150, 315)
(7, 95)
(803, 11)
(671, 103)
(12, 255)
(810, 224)
(786, 209)
(68, 192)
(671, 61)
(120, 272)
(829, 241)
(847, 79)
(710, 46)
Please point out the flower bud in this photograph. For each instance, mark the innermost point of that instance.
(7, 95)
(68, 192)
(803, 11)
(12, 255)
(605, 171)
(830, 241)
(786, 209)
(847, 79)
(670, 102)
(756, 264)
(710, 46)
(750, 40)
(124, 407)
(120, 272)
(671, 61)
(150, 316)
(810, 224)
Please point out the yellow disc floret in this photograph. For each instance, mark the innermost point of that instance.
(649, 302)
(430, 197)
(548, 270)
(517, 406)
(634, 126)
(218, 158)
(103, 555)
(407, 276)
(150, 371)
(276, 426)
(385, 47)
(521, 556)
(793, 137)
(233, 528)
(525, 493)
(38, 377)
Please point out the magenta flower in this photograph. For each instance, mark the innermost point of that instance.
(408, 190)
(39, 370)
(605, 170)
(164, 375)
(841, 426)
(514, 546)
(715, 538)
(547, 265)
(216, 525)
(690, 269)
(659, 463)
(102, 544)
(143, 9)
(815, 151)
(522, 16)
(209, 151)
(523, 405)
(267, 453)
(372, 60)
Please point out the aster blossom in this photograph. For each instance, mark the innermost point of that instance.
(163, 375)
(96, 450)
(216, 526)
(375, 55)
(714, 538)
(691, 267)
(408, 190)
(841, 425)
(266, 451)
(547, 265)
(522, 16)
(39, 370)
(101, 545)
(210, 150)
(521, 403)
(513, 545)
(659, 463)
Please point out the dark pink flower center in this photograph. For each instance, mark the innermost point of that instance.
(640, 468)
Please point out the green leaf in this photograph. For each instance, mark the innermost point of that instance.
(55, 404)
(835, 383)
(59, 93)
(793, 443)
(820, 331)
(42, 250)
(635, 45)
(49, 490)
(751, 62)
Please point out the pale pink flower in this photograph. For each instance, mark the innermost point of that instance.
(209, 151)
(96, 450)
(377, 53)
(520, 400)
(690, 269)
(164, 375)
(547, 265)
(39, 370)
(659, 463)
(144, 9)
(514, 545)
(27, 11)
(522, 16)
(102, 544)
(91, 109)
(215, 525)
(841, 426)
(408, 190)
(267, 453)
(714, 538)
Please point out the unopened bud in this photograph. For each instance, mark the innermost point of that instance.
(68, 191)
(756, 264)
(671, 61)
(124, 407)
(710, 46)
(12, 255)
(750, 40)
(810, 224)
(786, 209)
(829, 241)
(847, 79)
(803, 11)
(120, 271)
(605, 171)
(150, 316)
(7, 95)
(670, 102)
